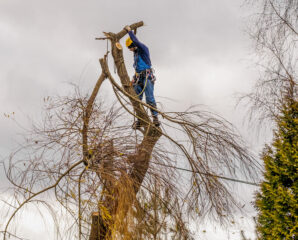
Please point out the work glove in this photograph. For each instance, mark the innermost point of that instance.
(127, 28)
(133, 80)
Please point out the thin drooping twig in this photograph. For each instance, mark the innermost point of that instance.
(38, 193)
(283, 19)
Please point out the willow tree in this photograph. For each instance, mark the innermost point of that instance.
(116, 183)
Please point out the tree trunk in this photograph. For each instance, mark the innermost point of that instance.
(99, 229)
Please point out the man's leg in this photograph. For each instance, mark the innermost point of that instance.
(149, 92)
(139, 91)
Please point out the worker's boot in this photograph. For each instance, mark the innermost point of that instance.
(136, 125)
(156, 121)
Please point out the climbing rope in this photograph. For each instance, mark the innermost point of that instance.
(107, 50)
(147, 74)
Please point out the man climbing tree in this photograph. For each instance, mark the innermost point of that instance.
(143, 80)
(131, 187)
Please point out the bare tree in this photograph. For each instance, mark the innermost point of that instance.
(131, 187)
(274, 32)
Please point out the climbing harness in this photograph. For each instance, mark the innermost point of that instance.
(149, 73)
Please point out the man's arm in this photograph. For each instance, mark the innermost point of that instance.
(134, 38)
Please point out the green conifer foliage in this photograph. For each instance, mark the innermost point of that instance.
(277, 201)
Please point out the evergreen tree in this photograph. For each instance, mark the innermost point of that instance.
(277, 201)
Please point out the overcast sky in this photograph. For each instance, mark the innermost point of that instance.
(198, 48)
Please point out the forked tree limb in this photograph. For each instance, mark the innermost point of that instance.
(87, 114)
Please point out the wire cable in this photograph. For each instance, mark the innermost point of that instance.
(209, 174)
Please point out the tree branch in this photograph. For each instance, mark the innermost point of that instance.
(87, 114)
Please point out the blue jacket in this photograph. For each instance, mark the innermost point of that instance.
(141, 55)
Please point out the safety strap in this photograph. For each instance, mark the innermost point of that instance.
(148, 71)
